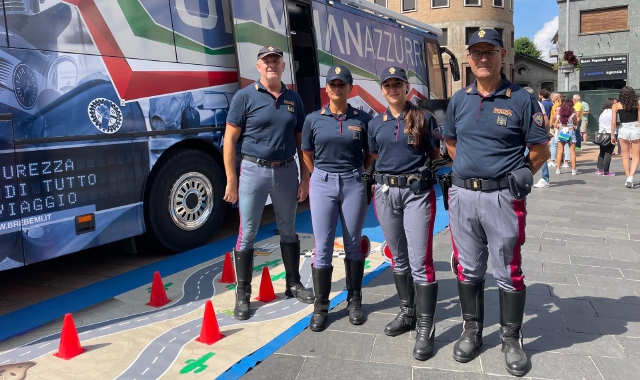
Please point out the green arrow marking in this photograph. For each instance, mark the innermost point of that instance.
(196, 366)
(367, 264)
(166, 287)
(231, 287)
(271, 263)
(278, 276)
(227, 312)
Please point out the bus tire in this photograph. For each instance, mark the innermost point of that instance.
(184, 205)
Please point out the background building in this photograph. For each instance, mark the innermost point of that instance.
(605, 36)
(458, 19)
(534, 72)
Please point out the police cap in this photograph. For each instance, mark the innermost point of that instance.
(341, 73)
(393, 72)
(489, 36)
(270, 49)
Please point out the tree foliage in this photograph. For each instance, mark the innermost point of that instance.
(524, 45)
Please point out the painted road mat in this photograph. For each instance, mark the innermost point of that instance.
(126, 339)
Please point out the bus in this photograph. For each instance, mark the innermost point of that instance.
(112, 112)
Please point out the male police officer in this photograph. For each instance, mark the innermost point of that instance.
(488, 126)
(266, 119)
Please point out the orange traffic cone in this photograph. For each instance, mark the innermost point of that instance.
(210, 332)
(158, 294)
(228, 275)
(69, 341)
(266, 293)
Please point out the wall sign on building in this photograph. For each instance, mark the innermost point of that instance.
(612, 67)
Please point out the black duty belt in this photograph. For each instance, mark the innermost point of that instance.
(392, 180)
(268, 164)
(478, 184)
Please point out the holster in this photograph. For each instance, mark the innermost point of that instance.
(368, 179)
(520, 182)
(445, 185)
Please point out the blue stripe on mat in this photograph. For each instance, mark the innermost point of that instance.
(248, 362)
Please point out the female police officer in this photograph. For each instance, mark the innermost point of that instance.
(334, 145)
(401, 140)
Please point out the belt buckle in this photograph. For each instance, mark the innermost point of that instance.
(393, 180)
(476, 183)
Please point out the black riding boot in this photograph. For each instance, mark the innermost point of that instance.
(426, 300)
(472, 305)
(291, 260)
(243, 261)
(355, 272)
(322, 289)
(406, 319)
(511, 315)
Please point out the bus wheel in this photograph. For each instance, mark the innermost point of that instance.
(185, 206)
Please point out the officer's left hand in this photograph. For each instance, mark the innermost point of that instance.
(303, 190)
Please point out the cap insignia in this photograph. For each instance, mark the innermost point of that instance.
(338, 70)
(270, 48)
(392, 70)
(481, 33)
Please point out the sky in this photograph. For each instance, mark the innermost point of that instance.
(538, 20)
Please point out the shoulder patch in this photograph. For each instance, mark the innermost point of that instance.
(256, 84)
(538, 118)
(502, 111)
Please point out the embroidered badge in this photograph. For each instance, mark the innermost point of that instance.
(502, 111)
(323, 111)
(538, 118)
(256, 86)
(338, 70)
(502, 121)
(481, 33)
(356, 135)
(469, 89)
(355, 128)
(270, 48)
(392, 70)
(291, 109)
(355, 112)
(384, 118)
(289, 102)
(508, 93)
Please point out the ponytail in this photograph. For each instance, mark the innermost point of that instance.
(415, 124)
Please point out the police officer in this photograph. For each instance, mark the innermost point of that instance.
(265, 119)
(488, 126)
(335, 149)
(402, 141)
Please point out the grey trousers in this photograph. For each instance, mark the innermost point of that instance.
(255, 184)
(407, 221)
(483, 224)
(332, 195)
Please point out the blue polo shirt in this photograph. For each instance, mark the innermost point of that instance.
(338, 141)
(493, 131)
(269, 124)
(389, 139)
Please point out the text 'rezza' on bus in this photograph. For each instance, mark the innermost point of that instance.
(112, 111)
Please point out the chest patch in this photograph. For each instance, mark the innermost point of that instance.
(291, 109)
(502, 111)
(538, 118)
(289, 102)
(502, 121)
(355, 128)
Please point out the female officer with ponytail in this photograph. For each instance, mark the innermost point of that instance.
(401, 140)
(335, 151)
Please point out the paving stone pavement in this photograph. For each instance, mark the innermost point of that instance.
(582, 320)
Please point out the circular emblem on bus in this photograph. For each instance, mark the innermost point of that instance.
(25, 85)
(105, 115)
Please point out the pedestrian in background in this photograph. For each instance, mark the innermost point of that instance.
(567, 120)
(336, 151)
(403, 141)
(604, 126)
(628, 109)
(584, 122)
(577, 106)
(553, 121)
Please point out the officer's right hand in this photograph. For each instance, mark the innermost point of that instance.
(231, 192)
